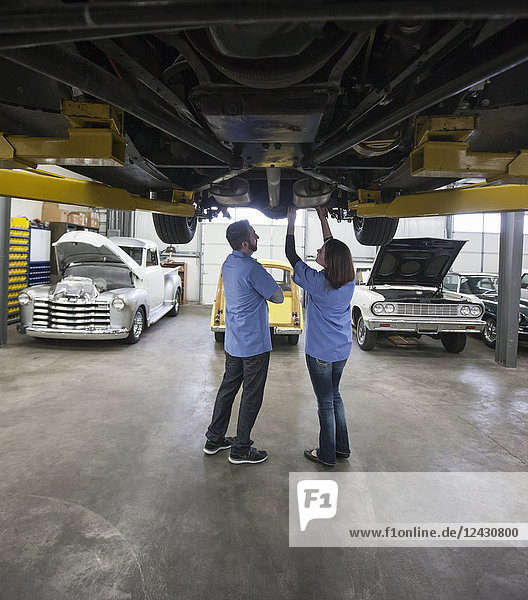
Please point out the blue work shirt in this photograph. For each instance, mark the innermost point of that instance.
(247, 286)
(328, 318)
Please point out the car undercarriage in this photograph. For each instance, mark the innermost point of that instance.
(268, 104)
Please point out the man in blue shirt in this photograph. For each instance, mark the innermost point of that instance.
(247, 345)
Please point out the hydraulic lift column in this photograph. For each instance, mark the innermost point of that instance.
(5, 220)
(510, 264)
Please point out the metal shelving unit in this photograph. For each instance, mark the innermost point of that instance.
(18, 264)
(39, 256)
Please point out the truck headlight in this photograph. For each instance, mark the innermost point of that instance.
(24, 299)
(389, 308)
(465, 310)
(118, 303)
(378, 308)
(476, 311)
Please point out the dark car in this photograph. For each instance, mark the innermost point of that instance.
(265, 104)
(486, 287)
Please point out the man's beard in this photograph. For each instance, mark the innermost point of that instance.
(252, 247)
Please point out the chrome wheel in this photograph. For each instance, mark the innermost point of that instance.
(366, 339)
(489, 333)
(361, 331)
(175, 309)
(137, 325)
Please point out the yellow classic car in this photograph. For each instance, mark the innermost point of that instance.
(284, 319)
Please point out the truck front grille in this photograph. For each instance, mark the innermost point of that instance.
(60, 314)
(416, 309)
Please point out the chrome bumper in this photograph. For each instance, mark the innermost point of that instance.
(72, 334)
(275, 330)
(287, 330)
(426, 327)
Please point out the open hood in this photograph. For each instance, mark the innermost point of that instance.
(87, 247)
(417, 261)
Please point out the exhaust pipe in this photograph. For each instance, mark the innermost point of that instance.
(309, 192)
(273, 175)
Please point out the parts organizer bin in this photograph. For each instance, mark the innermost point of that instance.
(29, 261)
(18, 264)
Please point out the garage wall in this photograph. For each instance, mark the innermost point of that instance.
(481, 252)
(271, 244)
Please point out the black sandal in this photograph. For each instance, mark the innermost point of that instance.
(310, 456)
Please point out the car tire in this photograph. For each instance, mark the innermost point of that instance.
(173, 312)
(219, 336)
(454, 342)
(174, 230)
(137, 328)
(375, 231)
(489, 333)
(293, 339)
(366, 339)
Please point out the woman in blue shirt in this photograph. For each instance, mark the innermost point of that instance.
(328, 333)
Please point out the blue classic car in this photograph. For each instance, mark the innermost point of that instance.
(485, 286)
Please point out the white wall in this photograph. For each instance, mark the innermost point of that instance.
(215, 248)
(481, 252)
(31, 209)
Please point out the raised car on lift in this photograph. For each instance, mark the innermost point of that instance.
(268, 104)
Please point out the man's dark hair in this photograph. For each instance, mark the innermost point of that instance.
(237, 233)
(339, 264)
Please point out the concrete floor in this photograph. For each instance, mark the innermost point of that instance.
(105, 492)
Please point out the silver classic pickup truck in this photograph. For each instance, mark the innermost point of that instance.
(109, 288)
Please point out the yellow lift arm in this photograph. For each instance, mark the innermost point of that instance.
(462, 200)
(53, 188)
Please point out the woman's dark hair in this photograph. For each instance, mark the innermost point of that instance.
(237, 233)
(339, 268)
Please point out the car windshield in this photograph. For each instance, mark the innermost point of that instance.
(282, 277)
(479, 285)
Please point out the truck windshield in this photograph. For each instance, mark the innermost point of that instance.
(134, 253)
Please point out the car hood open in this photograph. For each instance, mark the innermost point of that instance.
(416, 261)
(88, 247)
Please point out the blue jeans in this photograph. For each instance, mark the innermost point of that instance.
(253, 371)
(333, 434)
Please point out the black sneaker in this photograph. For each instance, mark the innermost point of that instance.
(343, 454)
(212, 448)
(252, 456)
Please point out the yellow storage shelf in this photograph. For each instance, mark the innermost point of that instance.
(20, 223)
